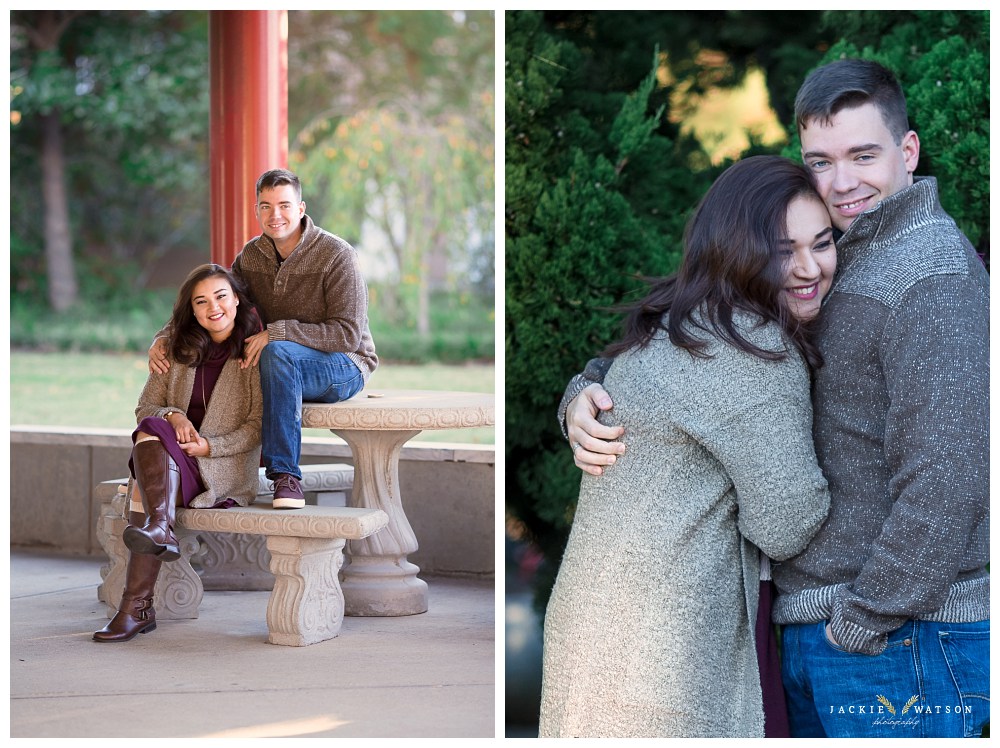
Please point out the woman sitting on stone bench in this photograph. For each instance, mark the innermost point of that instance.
(198, 439)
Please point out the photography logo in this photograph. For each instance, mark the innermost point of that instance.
(885, 714)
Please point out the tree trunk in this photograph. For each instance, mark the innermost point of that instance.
(58, 243)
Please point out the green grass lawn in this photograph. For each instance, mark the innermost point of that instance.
(100, 390)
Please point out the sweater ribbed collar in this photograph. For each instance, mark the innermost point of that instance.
(894, 216)
(309, 232)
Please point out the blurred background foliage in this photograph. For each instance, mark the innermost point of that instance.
(390, 126)
(615, 123)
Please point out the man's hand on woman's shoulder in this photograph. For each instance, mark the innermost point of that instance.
(594, 445)
(158, 362)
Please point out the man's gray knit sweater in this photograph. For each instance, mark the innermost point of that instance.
(901, 431)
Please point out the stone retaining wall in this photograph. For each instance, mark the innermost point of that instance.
(448, 493)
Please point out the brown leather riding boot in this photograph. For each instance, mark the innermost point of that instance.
(159, 481)
(135, 613)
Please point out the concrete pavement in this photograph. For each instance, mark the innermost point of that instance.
(430, 675)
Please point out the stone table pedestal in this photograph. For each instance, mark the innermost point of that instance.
(378, 580)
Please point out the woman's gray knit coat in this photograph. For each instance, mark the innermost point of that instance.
(650, 628)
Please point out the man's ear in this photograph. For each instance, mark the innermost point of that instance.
(911, 151)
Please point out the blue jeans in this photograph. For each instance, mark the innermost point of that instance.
(290, 374)
(932, 680)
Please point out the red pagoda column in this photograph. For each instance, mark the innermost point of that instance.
(248, 122)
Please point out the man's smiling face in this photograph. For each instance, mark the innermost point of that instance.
(856, 161)
(279, 211)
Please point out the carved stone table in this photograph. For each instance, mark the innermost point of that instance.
(378, 580)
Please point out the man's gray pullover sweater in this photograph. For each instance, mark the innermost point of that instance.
(901, 427)
(901, 430)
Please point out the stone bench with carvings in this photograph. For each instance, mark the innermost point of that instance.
(234, 561)
(306, 553)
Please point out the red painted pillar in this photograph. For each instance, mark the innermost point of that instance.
(249, 118)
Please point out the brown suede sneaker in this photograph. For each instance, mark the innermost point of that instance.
(287, 492)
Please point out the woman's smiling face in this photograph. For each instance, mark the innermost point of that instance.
(214, 303)
(810, 257)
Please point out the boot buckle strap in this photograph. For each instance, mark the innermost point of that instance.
(141, 607)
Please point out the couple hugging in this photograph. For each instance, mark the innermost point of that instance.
(801, 409)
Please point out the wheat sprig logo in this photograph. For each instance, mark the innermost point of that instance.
(908, 704)
(887, 704)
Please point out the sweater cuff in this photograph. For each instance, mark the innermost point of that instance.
(852, 636)
(276, 330)
(576, 385)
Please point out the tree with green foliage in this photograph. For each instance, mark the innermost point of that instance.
(592, 204)
(398, 134)
(111, 108)
(704, 50)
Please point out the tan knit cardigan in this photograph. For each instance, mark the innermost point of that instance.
(231, 426)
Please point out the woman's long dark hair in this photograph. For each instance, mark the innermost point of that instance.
(731, 262)
(189, 341)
